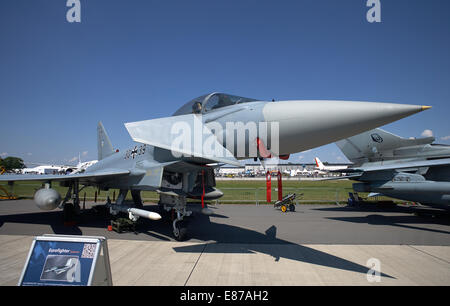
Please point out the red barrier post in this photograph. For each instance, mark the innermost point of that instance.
(280, 186)
(269, 187)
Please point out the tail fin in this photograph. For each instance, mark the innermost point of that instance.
(373, 145)
(319, 164)
(104, 145)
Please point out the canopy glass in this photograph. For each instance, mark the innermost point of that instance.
(210, 102)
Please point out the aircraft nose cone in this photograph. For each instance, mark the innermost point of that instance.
(307, 124)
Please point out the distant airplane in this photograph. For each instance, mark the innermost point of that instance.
(82, 166)
(404, 168)
(43, 168)
(47, 169)
(167, 157)
(320, 166)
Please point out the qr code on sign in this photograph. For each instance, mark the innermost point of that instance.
(88, 250)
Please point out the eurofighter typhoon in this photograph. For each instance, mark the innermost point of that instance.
(176, 155)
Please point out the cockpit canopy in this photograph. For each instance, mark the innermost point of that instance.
(210, 102)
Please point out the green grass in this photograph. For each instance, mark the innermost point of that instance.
(235, 191)
(313, 191)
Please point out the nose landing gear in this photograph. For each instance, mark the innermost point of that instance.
(176, 203)
(179, 229)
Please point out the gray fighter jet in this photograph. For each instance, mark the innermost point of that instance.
(71, 262)
(176, 155)
(404, 168)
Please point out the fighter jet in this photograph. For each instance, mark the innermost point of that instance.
(176, 155)
(404, 168)
(71, 262)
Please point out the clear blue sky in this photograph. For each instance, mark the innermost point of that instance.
(137, 60)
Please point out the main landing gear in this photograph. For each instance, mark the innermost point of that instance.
(71, 211)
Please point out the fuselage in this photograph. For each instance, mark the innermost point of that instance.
(407, 188)
(288, 127)
(425, 185)
(238, 124)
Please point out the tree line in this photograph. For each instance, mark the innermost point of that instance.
(10, 163)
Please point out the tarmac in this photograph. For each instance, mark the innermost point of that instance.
(252, 245)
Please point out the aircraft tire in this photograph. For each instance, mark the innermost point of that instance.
(291, 207)
(180, 233)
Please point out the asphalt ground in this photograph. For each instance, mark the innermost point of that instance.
(322, 224)
(251, 245)
(309, 224)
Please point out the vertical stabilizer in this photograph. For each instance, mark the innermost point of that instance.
(376, 145)
(368, 145)
(319, 164)
(104, 145)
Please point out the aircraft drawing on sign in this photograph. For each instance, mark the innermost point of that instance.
(61, 269)
(176, 155)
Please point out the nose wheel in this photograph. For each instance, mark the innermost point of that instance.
(174, 208)
(179, 229)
